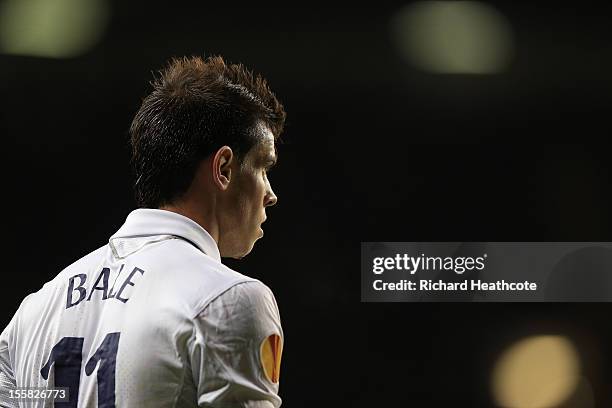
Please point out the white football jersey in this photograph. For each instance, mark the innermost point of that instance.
(153, 319)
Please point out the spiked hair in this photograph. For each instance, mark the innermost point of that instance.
(197, 106)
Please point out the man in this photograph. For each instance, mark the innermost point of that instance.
(153, 319)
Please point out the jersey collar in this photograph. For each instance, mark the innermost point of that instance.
(150, 222)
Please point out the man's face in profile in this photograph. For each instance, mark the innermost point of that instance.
(249, 195)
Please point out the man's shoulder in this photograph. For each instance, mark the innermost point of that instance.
(249, 294)
(82, 262)
(78, 265)
(53, 284)
(180, 269)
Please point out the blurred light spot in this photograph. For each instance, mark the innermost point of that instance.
(537, 372)
(51, 28)
(465, 37)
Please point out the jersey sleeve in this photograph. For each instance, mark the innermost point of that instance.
(7, 378)
(236, 349)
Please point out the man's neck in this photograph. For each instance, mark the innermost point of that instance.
(206, 221)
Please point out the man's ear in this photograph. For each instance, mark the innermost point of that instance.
(221, 167)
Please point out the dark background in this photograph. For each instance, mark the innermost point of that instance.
(374, 150)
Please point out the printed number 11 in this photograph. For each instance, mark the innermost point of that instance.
(67, 355)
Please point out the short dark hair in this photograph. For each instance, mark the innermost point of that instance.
(197, 106)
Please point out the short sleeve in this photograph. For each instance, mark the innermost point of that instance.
(236, 349)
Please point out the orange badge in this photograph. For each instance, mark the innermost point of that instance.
(271, 350)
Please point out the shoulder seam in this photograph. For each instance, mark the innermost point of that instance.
(221, 292)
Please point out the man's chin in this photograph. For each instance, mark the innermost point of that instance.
(241, 254)
(240, 251)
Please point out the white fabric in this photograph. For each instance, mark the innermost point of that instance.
(7, 382)
(187, 329)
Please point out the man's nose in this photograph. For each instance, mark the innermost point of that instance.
(270, 199)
